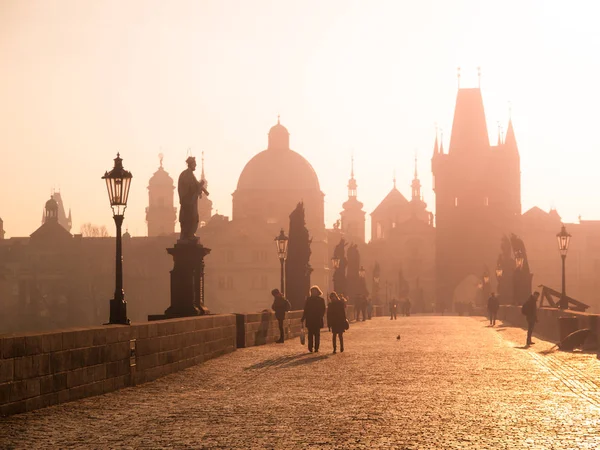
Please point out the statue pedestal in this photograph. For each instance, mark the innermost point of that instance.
(187, 281)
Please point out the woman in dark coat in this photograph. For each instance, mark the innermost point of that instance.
(336, 320)
(314, 310)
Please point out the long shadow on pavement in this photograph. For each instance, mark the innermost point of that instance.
(301, 362)
(275, 361)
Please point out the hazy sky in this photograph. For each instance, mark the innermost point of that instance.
(81, 80)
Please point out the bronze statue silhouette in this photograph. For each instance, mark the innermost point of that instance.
(190, 190)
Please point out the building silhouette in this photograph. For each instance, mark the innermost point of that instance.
(477, 192)
(161, 212)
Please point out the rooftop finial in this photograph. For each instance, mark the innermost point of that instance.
(352, 165)
(416, 173)
(394, 178)
(202, 174)
(479, 76)
(278, 117)
(160, 158)
(458, 76)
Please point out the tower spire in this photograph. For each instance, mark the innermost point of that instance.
(416, 173)
(202, 177)
(416, 184)
(352, 185)
(394, 179)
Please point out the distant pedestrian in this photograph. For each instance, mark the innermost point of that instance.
(493, 306)
(529, 310)
(314, 311)
(393, 309)
(336, 320)
(280, 306)
(407, 307)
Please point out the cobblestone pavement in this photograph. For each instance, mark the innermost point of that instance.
(448, 383)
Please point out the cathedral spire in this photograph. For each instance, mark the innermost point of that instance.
(416, 184)
(510, 141)
(202, 177)
(352, 185)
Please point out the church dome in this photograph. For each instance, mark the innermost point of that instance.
(278, 167)
(52, 205)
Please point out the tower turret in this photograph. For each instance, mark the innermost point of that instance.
(161, 213)
(353, 216)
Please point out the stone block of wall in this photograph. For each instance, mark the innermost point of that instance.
(43, 369)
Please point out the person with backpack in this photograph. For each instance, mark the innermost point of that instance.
(529, 310)
(280, 305)
(336, 320)
(314, 311)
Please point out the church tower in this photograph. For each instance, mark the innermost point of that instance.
(477, 194)
(353, 216)
(204, 203)
(161, 213)
(1, 229)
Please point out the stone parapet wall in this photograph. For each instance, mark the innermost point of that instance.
(549, 323)
(263, 328)
(39, 370)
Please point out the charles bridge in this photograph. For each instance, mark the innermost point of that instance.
(220, 382)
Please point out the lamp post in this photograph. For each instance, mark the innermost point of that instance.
(281, 242)
(563, 239)
(118, 181)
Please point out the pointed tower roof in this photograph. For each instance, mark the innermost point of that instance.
(202, 176)
(510, 141)
(436, 148)
(469, 129)
(394, 199)
(416, 185)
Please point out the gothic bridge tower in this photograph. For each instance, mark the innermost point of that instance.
(478, 196)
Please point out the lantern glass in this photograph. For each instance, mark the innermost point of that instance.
(281, 242)
(376, 279)
(118, 181)
(519, 260)
(499, 272)
(563, 238)
(486, 278)
(361, 272)
(335, 262)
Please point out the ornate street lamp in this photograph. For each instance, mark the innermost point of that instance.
(281, 242)
(335, 262)
(486, 278)
(499, 272)
(519, 259)
(118, 181)
(563, 239)
(362, 272)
